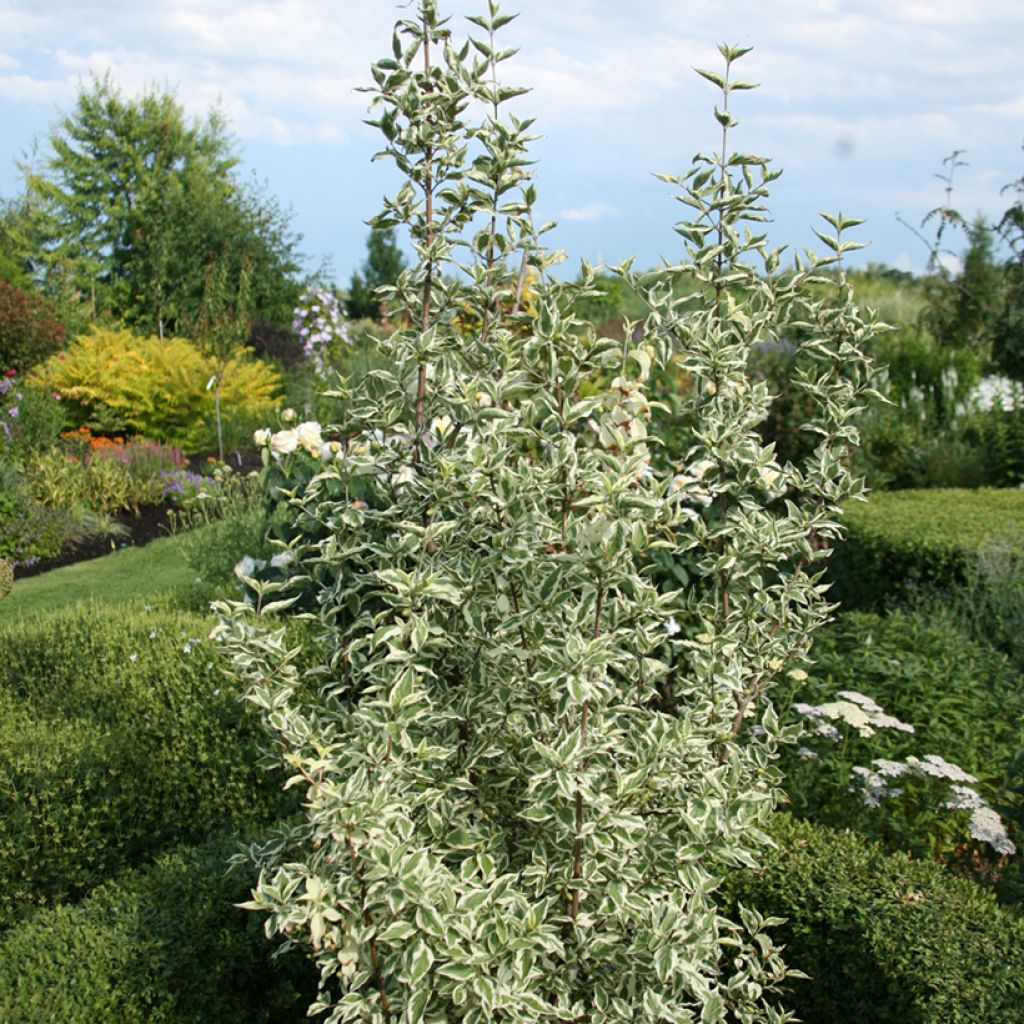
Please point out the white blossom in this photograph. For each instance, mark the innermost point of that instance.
(964, 798)
(987, 827)
(284, 442)
(894, 769)
(284, 558)
(248, 566)
(308, 437)
(940, 768)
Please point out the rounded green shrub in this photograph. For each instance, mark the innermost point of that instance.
(884, 938)
(165, 944)
(116, 382)
(119, 737)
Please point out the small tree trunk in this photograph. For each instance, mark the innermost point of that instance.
(216, 408)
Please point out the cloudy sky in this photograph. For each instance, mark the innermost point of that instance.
(860, 101)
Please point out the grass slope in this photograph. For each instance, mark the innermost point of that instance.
(157, 568)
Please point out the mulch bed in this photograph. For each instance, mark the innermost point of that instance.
(151, 523)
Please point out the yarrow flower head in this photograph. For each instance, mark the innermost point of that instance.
(856, 710)
(987, 827)
(940, 768)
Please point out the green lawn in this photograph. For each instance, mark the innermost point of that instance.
(129, 574)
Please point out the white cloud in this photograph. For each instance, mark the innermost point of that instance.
(860, 99)
(588, 212)
(25, 88)
(951, 262)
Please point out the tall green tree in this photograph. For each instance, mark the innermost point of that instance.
(1008, 330)
(133, 199)
(384, 262)
(14, 262)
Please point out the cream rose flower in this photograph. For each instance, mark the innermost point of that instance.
(284, 442)
(308, 436)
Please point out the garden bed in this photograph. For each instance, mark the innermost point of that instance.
(132, 531)
(136, 529)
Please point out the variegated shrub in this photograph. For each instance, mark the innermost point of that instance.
(525, 763)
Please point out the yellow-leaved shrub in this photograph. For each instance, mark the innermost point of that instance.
(117, 382)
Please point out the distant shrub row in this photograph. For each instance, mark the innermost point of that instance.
(925, 538)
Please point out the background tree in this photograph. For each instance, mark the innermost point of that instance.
(15, 265)
(384, 262)
(133, 200)
(978, 309)
(1008, 330)
(964, 313)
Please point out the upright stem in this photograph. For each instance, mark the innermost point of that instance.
(489, 309)
(723, 576)
(722, 181)
(428, 283)
(220, 430)
(385, 1005)
(577, 842)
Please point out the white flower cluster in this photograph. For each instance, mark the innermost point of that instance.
(305, 436)
(856, 710)
(985, 825)
(249, 566)
(875, 787)
(688, 487)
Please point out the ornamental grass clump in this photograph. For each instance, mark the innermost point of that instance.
(528, 767)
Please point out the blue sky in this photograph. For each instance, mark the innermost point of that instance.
(859, 103)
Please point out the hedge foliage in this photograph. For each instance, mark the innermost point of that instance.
(115, 382)
(927, 537)
(119, 737)
(884, 938)
(161, 945)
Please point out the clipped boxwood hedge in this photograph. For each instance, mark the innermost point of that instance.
(161, 945)
(926, 537)
(119, 737)
(884, 938)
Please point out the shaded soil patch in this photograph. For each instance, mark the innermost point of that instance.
(151, 523)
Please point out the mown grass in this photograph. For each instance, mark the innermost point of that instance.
(132, 573)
